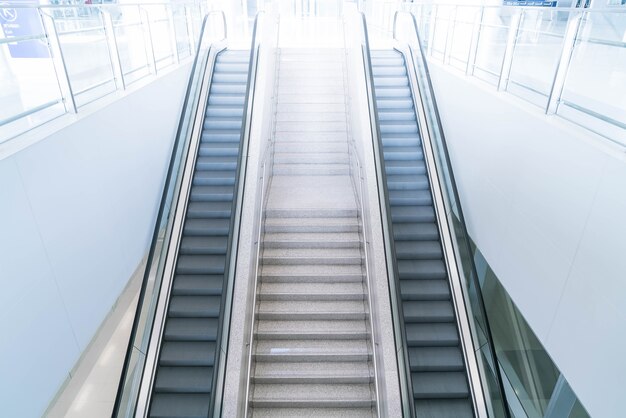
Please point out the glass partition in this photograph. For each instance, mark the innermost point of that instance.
(56, 59)
(568, 62)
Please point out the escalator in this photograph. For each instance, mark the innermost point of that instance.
(438, 373)
(184, 377)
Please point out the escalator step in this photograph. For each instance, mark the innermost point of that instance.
(418, 250)
(200, 264)
(191, 329)
(442, 385)
(416, 231)
(187, 405)
(422, 269)
(198, 284)
(424, 289)
(183, 379)
(194, 306)
(188, 353)
(446, 359)
(218, 226)
(444, 408)
(199, 245)
(412, 214)
(428, 311)
(432, 335)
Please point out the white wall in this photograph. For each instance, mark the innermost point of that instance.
(546, 204)
(76, 216)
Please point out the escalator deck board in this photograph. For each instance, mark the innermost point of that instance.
(436, 366)
(187, 359)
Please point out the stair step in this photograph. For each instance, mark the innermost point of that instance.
(312, 395)
(306, 350)
(328, 225)
(311, 169)
(326, 412)
(312, 372)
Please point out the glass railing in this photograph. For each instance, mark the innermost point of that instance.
(567, 61)
(56, 59)
(211, 32)
(518, 377)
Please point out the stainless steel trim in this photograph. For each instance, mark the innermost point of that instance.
(16, 39)
(94, 86)
(86, 30)
(29, 112)
(357, 173)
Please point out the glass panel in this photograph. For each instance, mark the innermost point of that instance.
(442, 24)
(462, 36)
(536, 55)
(28, 82)
(494, 30)
(89, 68)
(131, 42)
(161, 36)
(596, 80)
(181, 31)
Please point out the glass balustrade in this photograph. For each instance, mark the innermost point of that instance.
(568, 62)
(56, 59)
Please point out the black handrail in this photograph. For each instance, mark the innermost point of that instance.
(444, 147)
(381, 178)
(162, 209)
(235, 219)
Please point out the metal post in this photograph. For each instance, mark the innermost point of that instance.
(433, 28)
(147, 32)
(473, 50)
(190, 31)
(447, 51)
(114, 54)
(67, 95)
(507, 60)
(173, 41)
(569, 42)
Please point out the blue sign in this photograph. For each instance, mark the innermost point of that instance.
(17, 22)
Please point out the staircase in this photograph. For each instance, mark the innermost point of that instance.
(184, 377)
(437, 367)
(311, 349)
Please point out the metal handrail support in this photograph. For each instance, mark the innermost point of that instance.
(58, 61)
(406, 390)
(448, 165)
(569, 42)
(114, 53)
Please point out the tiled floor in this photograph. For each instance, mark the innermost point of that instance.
(91, 390)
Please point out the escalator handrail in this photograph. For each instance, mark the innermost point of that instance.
(169, 177)
(392, 269)
(235, 221)
(446, 157)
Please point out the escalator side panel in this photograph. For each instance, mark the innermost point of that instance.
(184, 376)
(436, 365)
